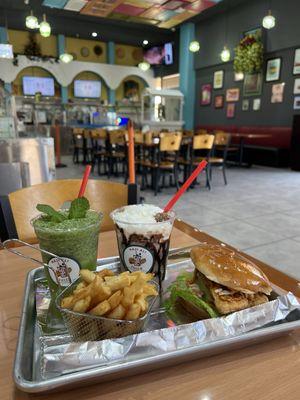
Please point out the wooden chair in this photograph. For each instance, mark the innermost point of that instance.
(164, 160)
(116, 151)
(77, 140)
(219, 154)
(100, 153)
(232, 150)
(19, 207)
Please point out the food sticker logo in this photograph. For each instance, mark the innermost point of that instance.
(137, 258)
(63, 270)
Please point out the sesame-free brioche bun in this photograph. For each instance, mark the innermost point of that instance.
(224, 266)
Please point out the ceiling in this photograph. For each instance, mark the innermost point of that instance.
(161, 13)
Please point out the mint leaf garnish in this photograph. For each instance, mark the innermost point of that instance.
(53, 214)
(79, 208)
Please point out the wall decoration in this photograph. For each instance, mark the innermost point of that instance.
(297, 103)
(131, 90)
(245, 105)
(256, 104)
(219, 101)
(249, 55)
(98, 50)
(296, 69)
(297, 86)
(218, 79)
(233, 94)
(277, 93)
(273, 69)
(206, 94)
(238, 76)
(252, 84)
(85, 52)
(230, 112)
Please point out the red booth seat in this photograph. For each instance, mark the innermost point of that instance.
(280, 135)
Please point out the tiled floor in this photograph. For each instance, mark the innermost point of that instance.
(258, 211)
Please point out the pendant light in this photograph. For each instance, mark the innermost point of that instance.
(45, 28)
(269, 21)
(194, 46)
(31, 21)
(66, 58)
(144, 66)
(225, 53)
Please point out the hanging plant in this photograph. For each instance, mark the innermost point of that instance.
(249, 55)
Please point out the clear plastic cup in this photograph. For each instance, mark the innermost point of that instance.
(144, 246)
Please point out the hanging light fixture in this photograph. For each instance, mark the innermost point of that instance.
(225, 54)
(45, 28)
(66, 58)
(194, 46)
(31, 21)
(269, 21)
(144, 65)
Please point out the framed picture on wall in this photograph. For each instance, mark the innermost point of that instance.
(297, 103)
(230, 112)
(273, 69)
(245, 105)
(252, 85)
(218, 79)
(232, 94)
(256, 104)
(277, 93)
(219, 101)
(296, 70)
(297, 86)
(206, 94)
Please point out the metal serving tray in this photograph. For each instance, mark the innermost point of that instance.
(27, 371)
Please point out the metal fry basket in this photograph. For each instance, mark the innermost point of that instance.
(86, 327)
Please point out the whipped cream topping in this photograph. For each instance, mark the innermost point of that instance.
(140, 219)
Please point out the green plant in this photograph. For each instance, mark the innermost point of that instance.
(249, 55)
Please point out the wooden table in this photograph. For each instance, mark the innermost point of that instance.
(243, 136)
(265, 371)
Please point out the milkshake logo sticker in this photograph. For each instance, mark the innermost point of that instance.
(63, 270)
(137, 258)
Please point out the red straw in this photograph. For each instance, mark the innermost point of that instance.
(186, 184)
(84, 180)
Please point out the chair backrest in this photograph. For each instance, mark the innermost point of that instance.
(187, 133)
(103, 196)
(117, 136)
(170, 141)
(201, 132)
(222, 139)
(203, 142)
(78, 131)
(138, 137)
(98, 133)
(148, 137)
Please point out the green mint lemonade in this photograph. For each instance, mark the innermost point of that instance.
(73, 236)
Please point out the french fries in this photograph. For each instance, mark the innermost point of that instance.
(122, 297)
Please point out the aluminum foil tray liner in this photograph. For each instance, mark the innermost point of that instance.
(59, 356)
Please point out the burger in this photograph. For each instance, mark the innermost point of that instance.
(222, 282)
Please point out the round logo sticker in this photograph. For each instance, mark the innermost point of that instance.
(64, 270)
(137, 258)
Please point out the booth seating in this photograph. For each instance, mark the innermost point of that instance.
(272, 151)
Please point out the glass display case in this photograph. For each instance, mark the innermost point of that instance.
(162, 109)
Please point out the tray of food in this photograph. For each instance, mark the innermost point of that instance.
(183, 323)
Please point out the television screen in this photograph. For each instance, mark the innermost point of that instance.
(33, 85)
(88, 89)
(159, 54)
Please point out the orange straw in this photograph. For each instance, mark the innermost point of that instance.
(84, 180)
(131, 167)
(186, 184)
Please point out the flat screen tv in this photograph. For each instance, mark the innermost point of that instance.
(87, 89)
(33, 85)
(159, 54)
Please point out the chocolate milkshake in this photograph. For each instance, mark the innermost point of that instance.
(143, 233)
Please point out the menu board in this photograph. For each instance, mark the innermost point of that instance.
(33, 85)
(87, 89)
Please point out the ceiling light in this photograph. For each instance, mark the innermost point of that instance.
(31, 21)
(225, 55)
(144, 65)
(194, 46)
(45, 28)
(94, 34)
(269, 21)
(66, 58)
(145, 42)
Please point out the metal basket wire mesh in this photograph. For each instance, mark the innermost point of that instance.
(86, 327)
